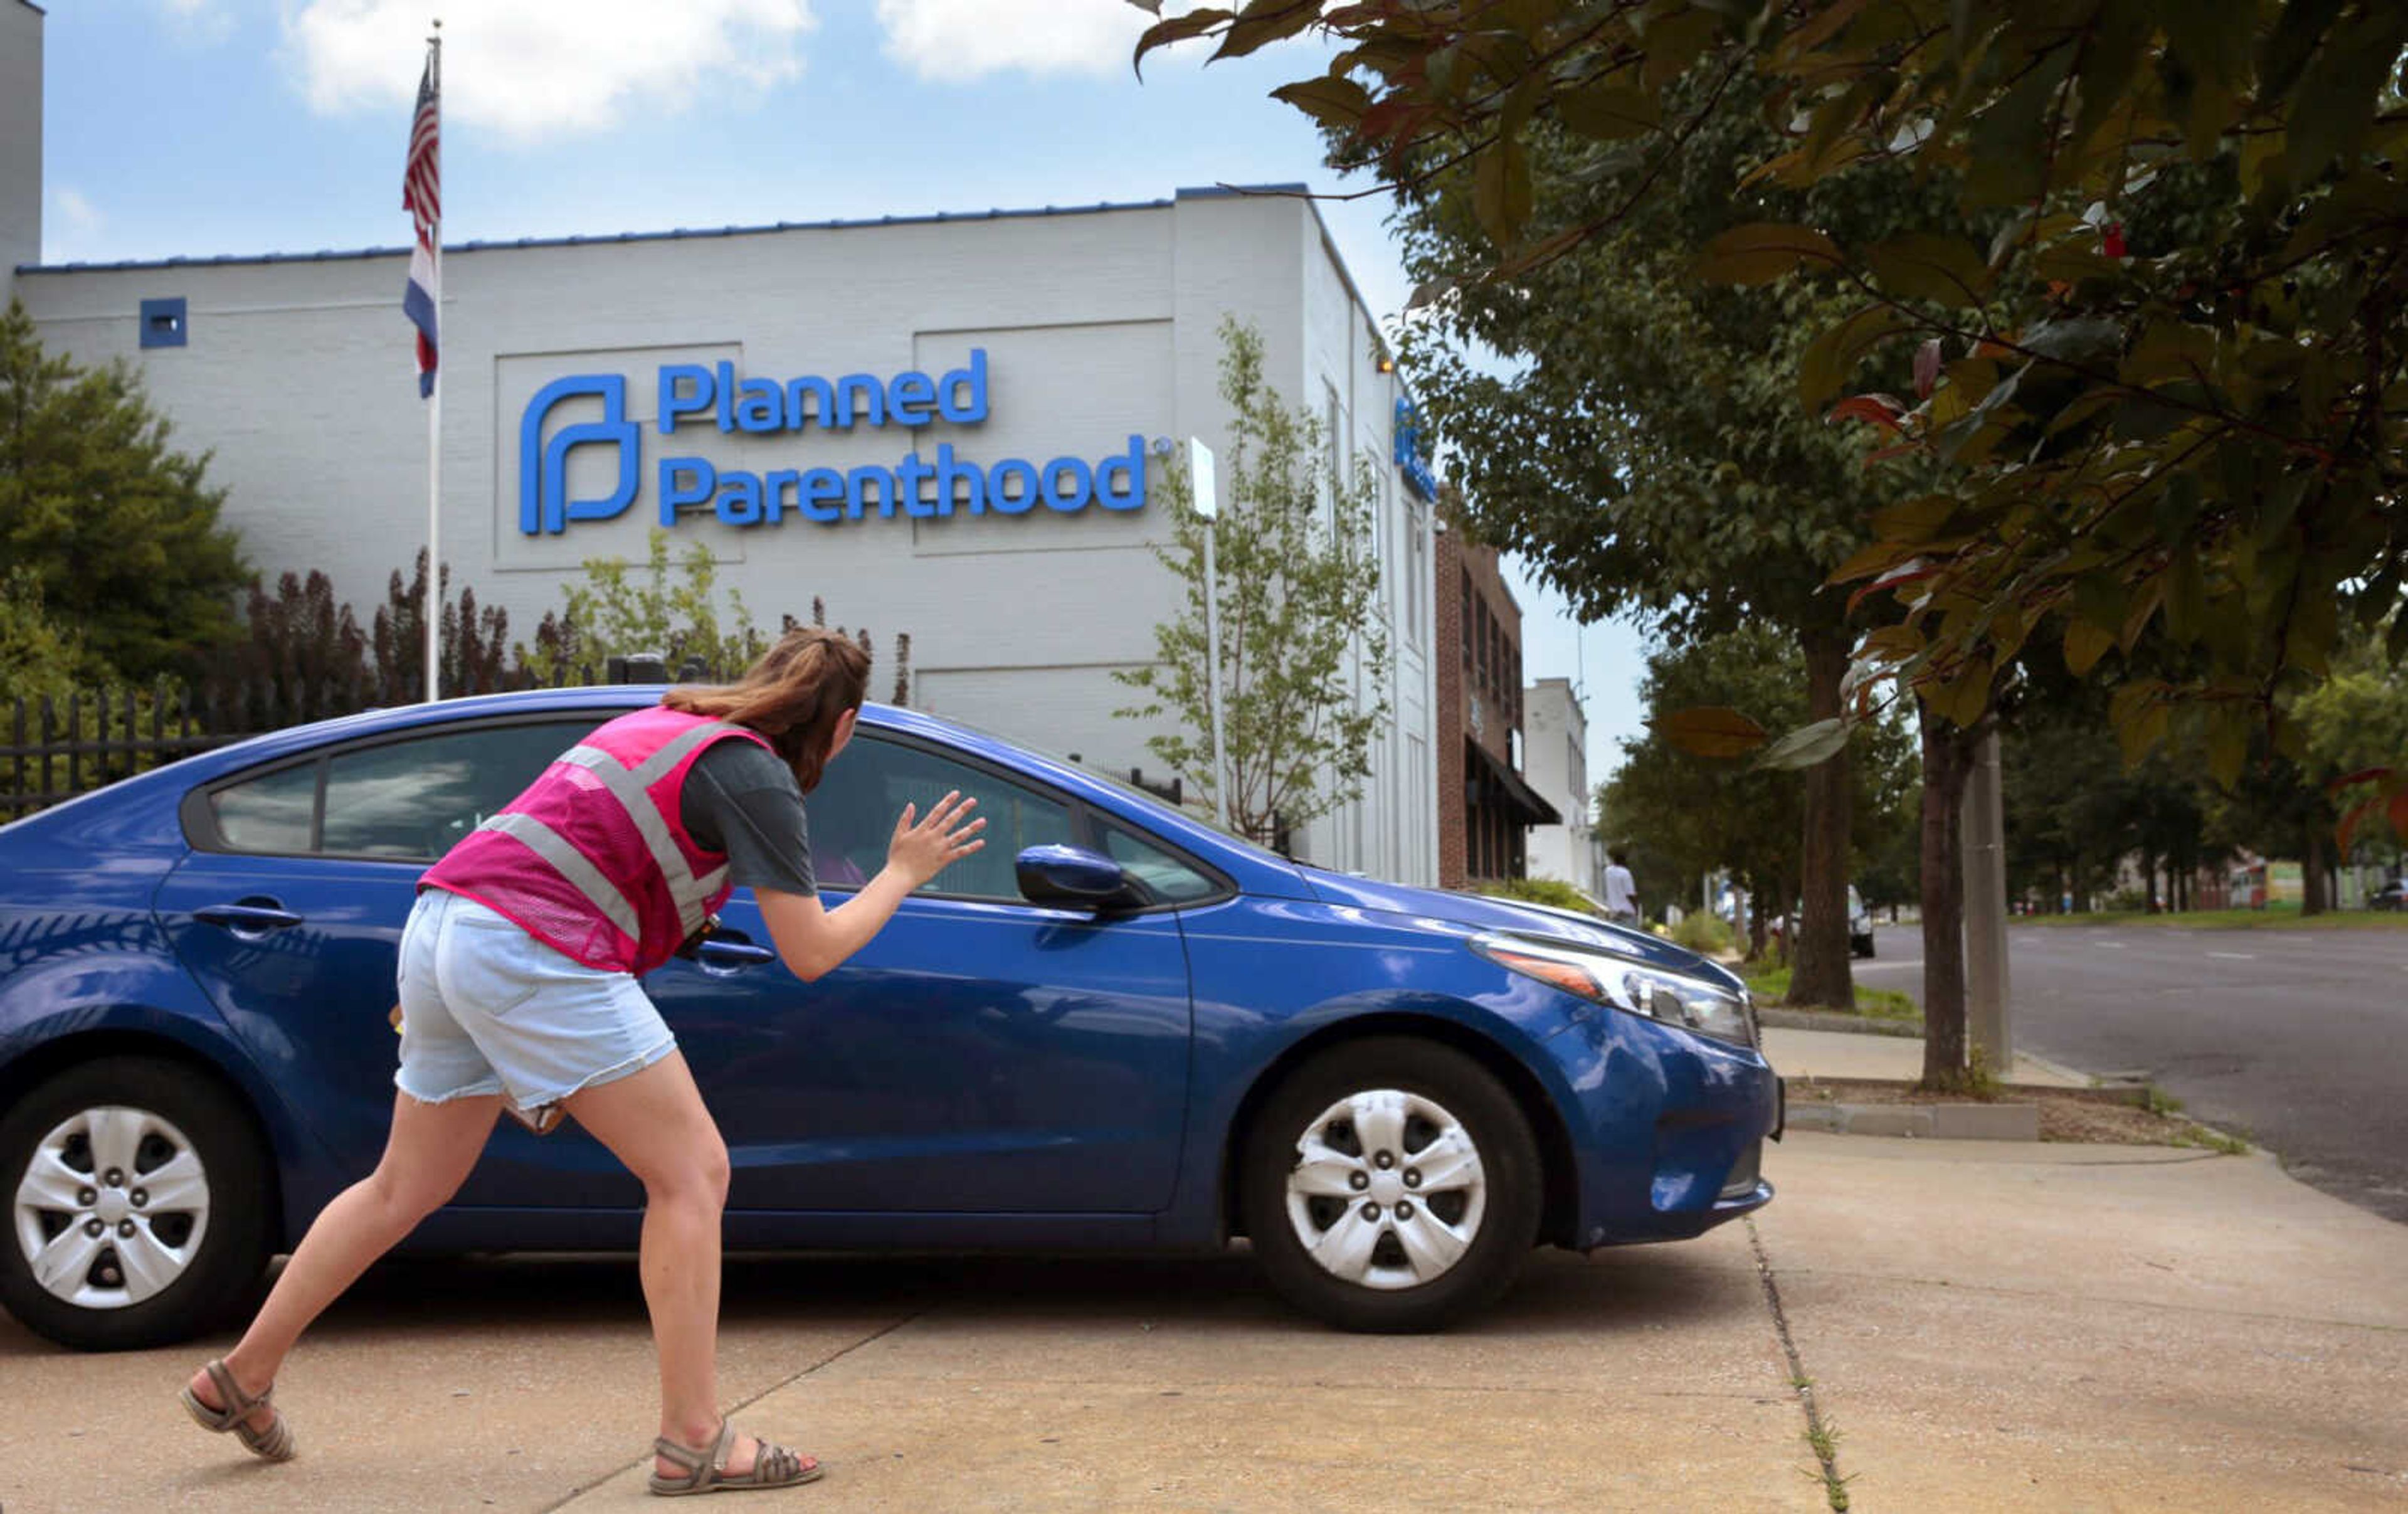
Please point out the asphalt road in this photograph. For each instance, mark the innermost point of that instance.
(2296, 1039)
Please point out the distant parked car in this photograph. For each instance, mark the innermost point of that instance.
(2391, 896)
(1115, 1028)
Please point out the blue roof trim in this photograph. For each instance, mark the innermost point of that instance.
(682, 233)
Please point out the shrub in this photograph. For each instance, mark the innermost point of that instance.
(1553, 891)
(1703, 932)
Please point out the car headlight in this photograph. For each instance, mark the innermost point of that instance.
(1706, 1009)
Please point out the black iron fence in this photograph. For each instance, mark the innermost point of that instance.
(58, 746)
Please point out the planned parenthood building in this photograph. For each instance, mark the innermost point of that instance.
(954, 426)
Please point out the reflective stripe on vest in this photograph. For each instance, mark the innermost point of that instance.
(687, 891)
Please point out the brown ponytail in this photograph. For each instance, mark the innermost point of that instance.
(793, 696)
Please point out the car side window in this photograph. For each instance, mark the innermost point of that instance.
(414, 798)
(409, 799)
(1165, 875)
(853, 810)
(271, 813)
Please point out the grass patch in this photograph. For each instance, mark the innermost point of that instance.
(2272, 917)
(1770, 987)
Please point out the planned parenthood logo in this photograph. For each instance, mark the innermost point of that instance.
(544, 505)
(692, 396)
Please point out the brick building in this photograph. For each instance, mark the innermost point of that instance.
(1485, 805)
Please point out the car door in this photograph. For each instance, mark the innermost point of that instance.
(289, 911)
(982, 1054)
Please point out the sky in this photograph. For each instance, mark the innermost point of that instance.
(194, 127)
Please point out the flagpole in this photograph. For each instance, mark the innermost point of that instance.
(433, 608)
(434, 529)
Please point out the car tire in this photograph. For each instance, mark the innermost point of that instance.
(1435, 1248)
(205, 1238)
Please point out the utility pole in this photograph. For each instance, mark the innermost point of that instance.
(1205, 491)
(1983, 827)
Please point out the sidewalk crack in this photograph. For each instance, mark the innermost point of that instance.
(1822, 1438)
(731, 1411)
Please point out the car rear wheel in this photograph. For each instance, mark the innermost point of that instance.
(139, 1207)
(1391, 1184)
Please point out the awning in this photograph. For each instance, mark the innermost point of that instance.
(1530, 806)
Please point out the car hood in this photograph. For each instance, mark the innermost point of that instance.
(1490, 914)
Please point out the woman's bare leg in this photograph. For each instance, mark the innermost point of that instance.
(654, 1121)
(427, 1156)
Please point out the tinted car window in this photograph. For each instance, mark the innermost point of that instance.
(270, 812)
(853, 810)
(413, 799)
(1170, 879)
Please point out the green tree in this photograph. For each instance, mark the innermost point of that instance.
(1299, 604)
(475, 641)
(1691, 815)
(618, 612)
(38, 655)
(1642, 443)
(2358, 721)
(1681, 816)
(2157, 406)
(2167, 390)
(118, 530)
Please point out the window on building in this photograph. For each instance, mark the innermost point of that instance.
(1333, 451)
(1414, 572)
(1469, 630)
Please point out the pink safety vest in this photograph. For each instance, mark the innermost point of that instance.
(594, 858)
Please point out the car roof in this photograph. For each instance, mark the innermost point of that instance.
(163, 786)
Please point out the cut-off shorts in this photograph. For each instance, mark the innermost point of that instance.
(487, 1008)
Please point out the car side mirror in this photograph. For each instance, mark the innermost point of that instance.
(1071, 876)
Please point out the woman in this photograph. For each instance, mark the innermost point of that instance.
(518, 970)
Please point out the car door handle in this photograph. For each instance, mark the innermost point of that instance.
(732, 956)
(250, 919)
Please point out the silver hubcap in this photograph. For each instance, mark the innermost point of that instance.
(1388, 1190)
(112, 1207)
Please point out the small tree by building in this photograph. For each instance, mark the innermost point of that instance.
(476, 642)
(120, 532)
(622, 610)
(1298, 599)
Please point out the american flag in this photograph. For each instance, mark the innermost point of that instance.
(421, 195)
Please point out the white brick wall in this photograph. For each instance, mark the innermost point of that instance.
(1097, 325)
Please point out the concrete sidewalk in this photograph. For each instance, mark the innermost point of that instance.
(1986, 1325)
(1892, 1058)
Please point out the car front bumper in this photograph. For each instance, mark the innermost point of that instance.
(1670, 1130)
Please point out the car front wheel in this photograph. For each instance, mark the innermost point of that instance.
(139, 1206)
(1391, 1184)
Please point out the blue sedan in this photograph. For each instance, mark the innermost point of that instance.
(1114, 1029)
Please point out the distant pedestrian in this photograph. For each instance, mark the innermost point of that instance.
(519, 987)
(1621, 891)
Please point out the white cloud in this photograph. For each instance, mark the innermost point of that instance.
(963, 39)
(73, 229)
(535, 68)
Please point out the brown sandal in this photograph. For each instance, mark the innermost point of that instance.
(274, 1444)
(706, 1471)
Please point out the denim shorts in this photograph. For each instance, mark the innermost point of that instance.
(487, 1008)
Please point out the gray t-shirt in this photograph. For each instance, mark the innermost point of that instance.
(741, 799)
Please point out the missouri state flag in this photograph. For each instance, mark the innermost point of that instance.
(421, 195)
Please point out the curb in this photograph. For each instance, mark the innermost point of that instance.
(1933, 1122)
(1828, 1020)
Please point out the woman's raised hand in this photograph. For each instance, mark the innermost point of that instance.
(920, 851)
